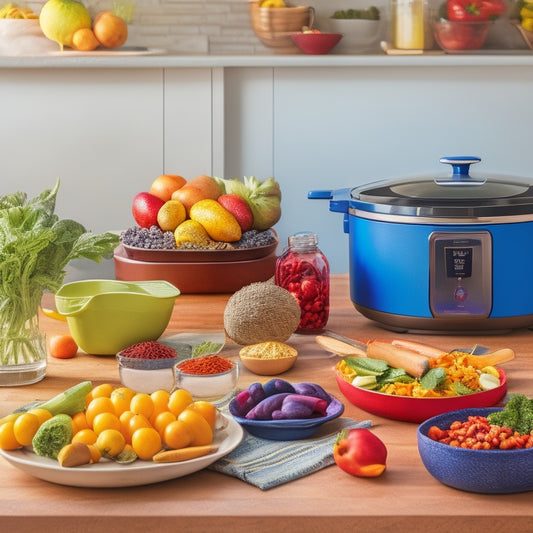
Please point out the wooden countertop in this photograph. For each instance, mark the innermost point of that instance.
(404, 498)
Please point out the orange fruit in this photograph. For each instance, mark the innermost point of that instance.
(85, 40)
(171, 215)
(188, 196)
(165, 185)
(62, 346)
(208, 185)
(110, 30)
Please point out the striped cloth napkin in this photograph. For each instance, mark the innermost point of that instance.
(268, 463)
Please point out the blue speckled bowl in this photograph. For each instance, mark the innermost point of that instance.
(483, 471)
(290, 429)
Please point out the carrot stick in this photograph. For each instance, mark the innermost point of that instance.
(413, 363)
(183, 454)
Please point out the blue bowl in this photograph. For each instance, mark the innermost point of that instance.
(481, 471)
(294, 429)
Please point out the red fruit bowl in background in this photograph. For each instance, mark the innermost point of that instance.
(316, 43)
(453, 36)
(409, 409)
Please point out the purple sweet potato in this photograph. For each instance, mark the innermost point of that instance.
(312, 389)
(301, 407)
(276, 386)
(264, 409)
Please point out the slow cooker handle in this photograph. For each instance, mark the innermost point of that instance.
(460, 167)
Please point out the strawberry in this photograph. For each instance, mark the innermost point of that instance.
(239, 208)
(145, 208)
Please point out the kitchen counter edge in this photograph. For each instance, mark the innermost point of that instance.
(517, 58)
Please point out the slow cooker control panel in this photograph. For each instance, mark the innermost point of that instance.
(460, 274)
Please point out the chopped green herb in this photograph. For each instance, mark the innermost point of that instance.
(432, 378)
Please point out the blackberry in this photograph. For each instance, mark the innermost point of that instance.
(152, 238)
(255, 238)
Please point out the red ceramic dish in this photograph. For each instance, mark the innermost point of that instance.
(417, 410)
(316, 43)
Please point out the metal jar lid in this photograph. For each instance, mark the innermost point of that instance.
(451, 199)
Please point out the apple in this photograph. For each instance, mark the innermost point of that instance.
(144, 209)
(360, 453)
(239, 208)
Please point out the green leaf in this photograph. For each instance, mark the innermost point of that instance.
(432, 378)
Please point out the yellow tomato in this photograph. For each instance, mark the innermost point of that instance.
(142, 404)
(110, 442)
(179, 400)
(97, 406)
(25, 427)
(177, 435)
(87, 436)
(200, 429)
(7, 437)
(105, 421)
(146, 442)
(162, 420)
(121, 398)
(103, 390)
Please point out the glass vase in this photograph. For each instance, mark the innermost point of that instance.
(22, 346)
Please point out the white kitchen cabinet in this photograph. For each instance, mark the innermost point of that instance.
(107, 127)
(341, 127)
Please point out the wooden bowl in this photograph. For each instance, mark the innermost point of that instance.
(274, 25)
(269, 367)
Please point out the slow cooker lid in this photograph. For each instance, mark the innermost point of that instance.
(458, 195)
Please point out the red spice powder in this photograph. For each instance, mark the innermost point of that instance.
(211, 364)
(149, 350)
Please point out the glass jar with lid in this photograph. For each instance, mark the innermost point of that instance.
(303, 270)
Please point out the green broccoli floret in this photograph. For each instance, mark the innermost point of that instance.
(517, 415)
(52, 435)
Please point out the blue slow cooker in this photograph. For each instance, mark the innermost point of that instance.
(442, 254)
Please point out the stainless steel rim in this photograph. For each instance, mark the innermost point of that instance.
(407, 219)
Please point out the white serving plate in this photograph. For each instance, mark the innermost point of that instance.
(106, 474)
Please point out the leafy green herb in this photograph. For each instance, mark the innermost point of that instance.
(35, 248)
(206, 348)
(367, 366)
(393, 375)
(432, 378)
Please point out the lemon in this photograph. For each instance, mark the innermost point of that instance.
(171, 215)
(61, 19)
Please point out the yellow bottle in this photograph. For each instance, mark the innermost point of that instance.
(410, 29)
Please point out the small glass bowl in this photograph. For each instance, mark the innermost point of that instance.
(147, 375)
(217, 389)
(454, 36)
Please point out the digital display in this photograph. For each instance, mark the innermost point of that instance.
(458, 262)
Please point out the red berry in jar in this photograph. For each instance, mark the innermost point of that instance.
(303, 270)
